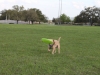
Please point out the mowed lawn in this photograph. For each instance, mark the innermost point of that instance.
(23, 53)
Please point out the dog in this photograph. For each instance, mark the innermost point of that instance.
(56, 44)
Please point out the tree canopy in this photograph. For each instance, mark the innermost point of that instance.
(63, 19)
(19, 13)
(89, 14)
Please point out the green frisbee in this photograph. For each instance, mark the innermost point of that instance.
(48, 41)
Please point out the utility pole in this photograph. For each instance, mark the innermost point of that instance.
(59, 11)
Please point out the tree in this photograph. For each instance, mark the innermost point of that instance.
(12, 15)
(19, 13)
(32, 15)
(24, 15)
(3, 14)
(41, 16)
(89, 14)
(64, 18)
(9, 14)
(44, 18)
(16, 12)
(55, 20)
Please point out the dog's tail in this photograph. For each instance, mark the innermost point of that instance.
(59, 39)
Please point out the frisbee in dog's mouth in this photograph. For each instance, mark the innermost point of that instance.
(48, 41)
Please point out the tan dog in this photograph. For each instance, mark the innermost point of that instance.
(56, 44)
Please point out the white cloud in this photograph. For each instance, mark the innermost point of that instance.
(1, 1)
(11, 1)
(7, 1)
(78, 5)
(97, 2)
(30, 1)
(50, 7)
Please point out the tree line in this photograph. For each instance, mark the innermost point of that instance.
(62, 19)
(20, 13)
(89, 15)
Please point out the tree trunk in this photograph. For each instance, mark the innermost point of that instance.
(32, 22)
(17, 21)
(91, 22)
(39, 22)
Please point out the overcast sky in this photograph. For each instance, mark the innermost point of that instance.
(50, 7)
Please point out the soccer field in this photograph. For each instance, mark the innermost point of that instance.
(23, 53)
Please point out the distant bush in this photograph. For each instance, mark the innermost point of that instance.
(97, 25)
(77, 23)
(11, 23)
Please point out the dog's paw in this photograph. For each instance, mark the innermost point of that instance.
(49, 50)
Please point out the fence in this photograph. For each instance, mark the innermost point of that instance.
(12, 22)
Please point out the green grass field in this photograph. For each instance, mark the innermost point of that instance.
(23, 53)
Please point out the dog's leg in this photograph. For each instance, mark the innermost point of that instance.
(49, 49)
(59, 49)
(53, 50)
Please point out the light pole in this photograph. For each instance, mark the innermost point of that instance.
(59, 11)
(61, 8)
